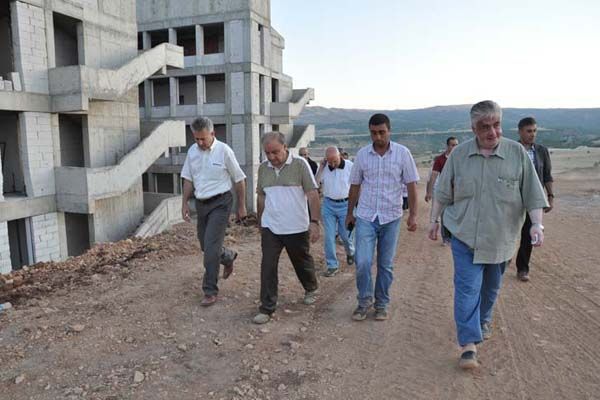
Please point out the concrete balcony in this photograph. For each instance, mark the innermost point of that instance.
(72, 87)
(79, 188)
(282, 113)
(302, 136)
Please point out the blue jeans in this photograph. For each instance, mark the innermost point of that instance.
(334, 221)
(476, 288)
(386, 236)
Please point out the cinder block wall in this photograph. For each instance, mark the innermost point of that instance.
(46, 242)
(5, 264)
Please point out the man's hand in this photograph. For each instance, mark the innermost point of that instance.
(411, 222)
(427, 197)
(434, 227)
(323, 162)
(241, 212)
(550, 204)
(350, 219)
(314, 232)
(537, 235)
(185, 211)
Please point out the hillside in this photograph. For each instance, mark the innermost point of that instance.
(425, 129)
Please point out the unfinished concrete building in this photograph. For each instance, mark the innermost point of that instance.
(233, 75)
(72, 151)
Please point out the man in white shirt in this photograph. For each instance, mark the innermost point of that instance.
(334, 178)
(209, 168)
(285, 189)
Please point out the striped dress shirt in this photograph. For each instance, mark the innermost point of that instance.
(380, 179)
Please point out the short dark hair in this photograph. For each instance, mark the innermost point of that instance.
(449, 139)
(527, 121)
(378, 119)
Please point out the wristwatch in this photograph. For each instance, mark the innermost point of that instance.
(315, 221)
(539, 225)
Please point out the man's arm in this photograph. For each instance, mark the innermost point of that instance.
(319, 175)
(315, 211)
(188, 191)
(240, 190)
(352, 202)
(412, 206)
(436, 212)
(536, 232)
(550, 194)
(260, 207)
(431, 185)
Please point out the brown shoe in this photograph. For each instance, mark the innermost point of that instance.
(523, 276)
(468, 360)
(208, 300)
(228, 269)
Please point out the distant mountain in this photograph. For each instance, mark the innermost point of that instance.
(426, 129)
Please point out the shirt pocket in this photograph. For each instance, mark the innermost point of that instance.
(508, 189)
(216, 167)
(464, 188)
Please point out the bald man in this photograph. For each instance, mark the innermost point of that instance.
(334, 179)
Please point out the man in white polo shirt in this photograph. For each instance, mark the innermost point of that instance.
(285, 186)
(334, 177)
(209, 168)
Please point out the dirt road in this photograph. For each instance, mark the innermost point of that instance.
(142, 335)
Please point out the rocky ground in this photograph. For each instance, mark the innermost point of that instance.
(123, 322)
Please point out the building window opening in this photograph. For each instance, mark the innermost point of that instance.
(160, 92)
(158, 37)
(20, 243)
(214, 86)
(70, 128)
(67, 32)
(6, 47)
(10, 155)
(78, 233)
(187, 90)
(186, 38)
(214, 38)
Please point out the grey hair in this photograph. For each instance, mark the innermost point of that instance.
(273, 136)
(485, 109)
(202, 123)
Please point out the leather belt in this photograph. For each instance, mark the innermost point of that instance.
(215, 197)
(338, 200)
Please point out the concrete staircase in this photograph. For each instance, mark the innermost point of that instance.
(282, 113)
(72, 87)
(81, 187)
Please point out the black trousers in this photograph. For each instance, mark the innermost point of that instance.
(524, 253)
(298, 248)
(213, 217)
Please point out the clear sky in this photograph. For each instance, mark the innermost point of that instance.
(403, 54)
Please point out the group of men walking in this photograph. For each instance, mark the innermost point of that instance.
(483, 188)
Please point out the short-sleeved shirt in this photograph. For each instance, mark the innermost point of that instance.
(212, 170)
(336, 182)
(286, 208)
(486, 197)
(380, 179)
(439, 162)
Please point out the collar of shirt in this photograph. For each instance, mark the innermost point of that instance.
(287, 162)
(389, 149)
(211, 148)
(475, 150)
(341, 166)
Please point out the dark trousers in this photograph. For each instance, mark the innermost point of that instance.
(298, 248)
(524, 254)
(213, 217)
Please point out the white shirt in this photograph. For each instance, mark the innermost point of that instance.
(286, 210)
(336, 183)
(212, 170)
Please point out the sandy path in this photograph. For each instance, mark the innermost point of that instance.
(545, 346)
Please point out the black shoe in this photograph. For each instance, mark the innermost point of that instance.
(523, 276)
(360, 314)
(330, 272)
(350, 259)
(468, 360)
(381, 314)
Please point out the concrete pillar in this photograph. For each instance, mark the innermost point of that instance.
(176, 185)
(199, 43)
(146, 42)
(81, 44)
(62, 235)
(151, 182)
(50, 39)
(199, 95)
(148, 98)
(173, 96)
(5, 263)
(172, 36)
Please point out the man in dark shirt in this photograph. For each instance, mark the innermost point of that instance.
(540, 158)
(438, 166)
(303, 152)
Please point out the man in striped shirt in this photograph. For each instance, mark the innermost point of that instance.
(376, 182)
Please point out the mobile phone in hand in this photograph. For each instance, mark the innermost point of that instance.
(350, 226)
